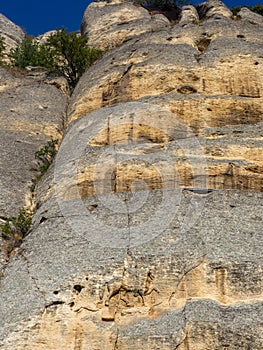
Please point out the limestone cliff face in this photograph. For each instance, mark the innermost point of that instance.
(147, 233)
(206, 70)
(11, 33)
(33, 110)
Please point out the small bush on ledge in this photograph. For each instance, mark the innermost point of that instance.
(257, 9)
(45, 156)
(17, 226)
(15, 229)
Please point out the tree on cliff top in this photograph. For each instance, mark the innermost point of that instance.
(31, 53)
(66, 54)
(163, 5)
(72, 55)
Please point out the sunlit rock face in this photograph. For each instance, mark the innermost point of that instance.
(33, 107)
(11, 33)
(109, 24)
(147, 233)
(206, 71)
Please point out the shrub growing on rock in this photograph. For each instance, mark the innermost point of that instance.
(46, 155)
(17, 226)
(72, 54)
(257, 9)
(163, 5)
(65, 53)
(31, 53)
(2, 48)
(15, 229)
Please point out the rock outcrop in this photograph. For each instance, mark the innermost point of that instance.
(110, 24)
(33, 110)
(11, 33)
(199, 72)
(148, 226)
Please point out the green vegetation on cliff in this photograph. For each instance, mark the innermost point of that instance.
(31, 53)
(72, 55)
(166, 5)
(257, 9)
(2, 47)
(65, 53)
(46, 155)
(17, 227)
(163, 5)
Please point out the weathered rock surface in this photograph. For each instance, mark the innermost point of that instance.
(214, 58)
(44, 37)
(207, 278)
(11, 33)
(148, 229)
(32, 112)
(109, 24)
(199, 72)
(213, 9)
(189, 15)
(250, 17)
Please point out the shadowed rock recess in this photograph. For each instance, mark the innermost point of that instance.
(148, 226)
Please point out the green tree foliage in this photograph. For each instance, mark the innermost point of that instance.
(2, 48)
(163, 5)
(17, 226)
(72, 54)
(65, 53)
(31, 53)
(46, 155)
(15, 229)
(257, 9)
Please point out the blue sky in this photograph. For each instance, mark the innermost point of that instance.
(37, 17)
